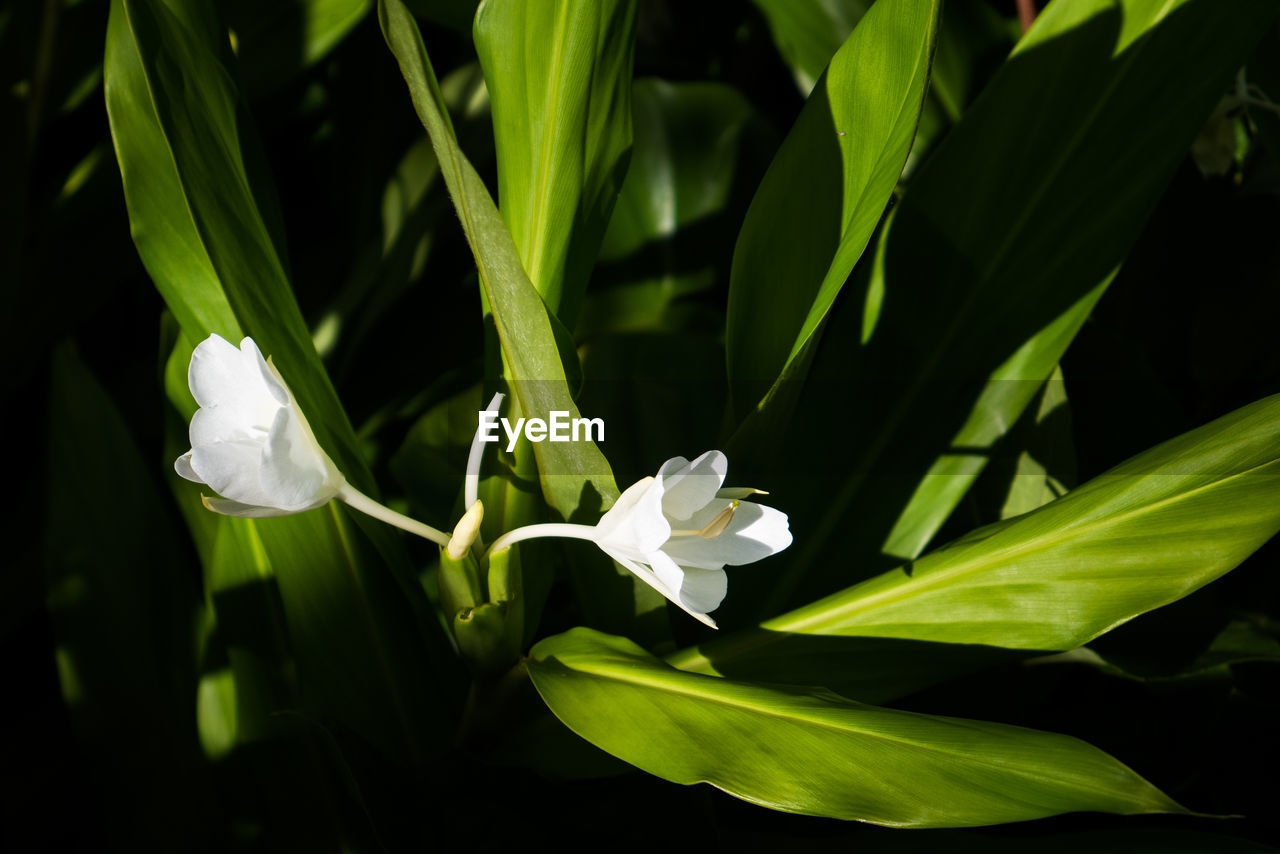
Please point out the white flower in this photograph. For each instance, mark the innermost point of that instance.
(249, 440)
(678, 530)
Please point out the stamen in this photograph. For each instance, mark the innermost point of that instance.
(466, 531)
(716, 526)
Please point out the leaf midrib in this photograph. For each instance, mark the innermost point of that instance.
(630, 676)
(536, 232)
(889, 425)
(916, 584)
(816, 313)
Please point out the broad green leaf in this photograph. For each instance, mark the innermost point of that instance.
(574, 475)
(810, 751)
(1142, 535)
(559, 81)
(823, 195)
(972, 38)
(697, 145)
(1002, 243)
(196, 202)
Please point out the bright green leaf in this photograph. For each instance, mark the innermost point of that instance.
(575, 475)
(823, 196)
(1142, 535)
(1002, 243)
(810, 751)
(202, 216)
(559, 80)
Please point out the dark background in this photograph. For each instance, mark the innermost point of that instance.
(1187, 333)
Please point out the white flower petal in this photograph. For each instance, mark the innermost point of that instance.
(271, 379)
(647, 575)
(292, 474)
(755, 532)
(697, 590)
(704, 589)
(617, 514)
(215, 374)
(688, 486)
(183, 466)
(666, 570)
(249, 440)
(231, 470)
(229, 423)
(227, 507)
(635, 522)
(767, 526)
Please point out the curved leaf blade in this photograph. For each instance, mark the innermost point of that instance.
(809, 751)
(573, 474)
(559, 81)
(1010, 232)
(1140, 536)
(200, 212)
(823, 195)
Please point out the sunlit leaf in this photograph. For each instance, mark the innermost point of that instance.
(559, 81)
(1002, 244)
(821, 199)
(809, 751)
(196, 202)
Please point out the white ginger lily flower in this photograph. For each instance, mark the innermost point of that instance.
(252, 445)
(678, 530)
(249, 440)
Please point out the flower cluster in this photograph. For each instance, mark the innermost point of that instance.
(677, 530)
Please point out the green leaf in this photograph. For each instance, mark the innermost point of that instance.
(697, 145)
(196, 198)
(575, 476)
(1142, 535)
(812, 752)
(559, 81)
(1002, 244)
(823, 196)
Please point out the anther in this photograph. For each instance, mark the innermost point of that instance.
(716, 526)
